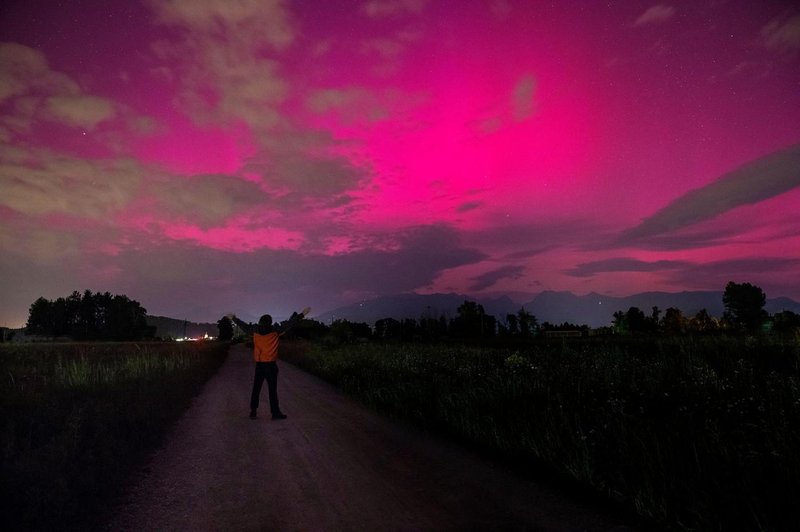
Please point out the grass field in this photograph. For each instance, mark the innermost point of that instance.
(691, 433)
(76, 419)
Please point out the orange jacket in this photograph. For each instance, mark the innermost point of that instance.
(265, 347)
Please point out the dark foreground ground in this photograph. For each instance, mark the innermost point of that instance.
(332, 465)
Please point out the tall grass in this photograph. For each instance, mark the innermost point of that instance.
(76, 418)
(691, 433)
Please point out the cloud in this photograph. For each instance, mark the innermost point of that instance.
(782, 33)
(25, 71)
(523, 102)
(224, 58)
(308, 171)
(756, 181)
(40, 182)
(80, 111)
(38, 244)
(622, 264)
(392, 8)
(517, 105)
(38, 92)
(656, 14)
(254, 21)
(352, 105)
(32, 92)
(487, 279)
(206, 199)
(776, 275)
(469, 206)
(282, 280)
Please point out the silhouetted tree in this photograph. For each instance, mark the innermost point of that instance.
(344, 331)
(473, 322)
(673, 322)
(619, 323)
(361, 330)
(89, 317)
(744, 306)
(632, 321)
(786, 322)
(430, 328)
(225, 326)
(307, 329)
(637, 322)
(702, 322)
(40, 318)
(528, 324)
(512, 324)
(387, 329)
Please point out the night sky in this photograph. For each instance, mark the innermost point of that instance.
(250, 156)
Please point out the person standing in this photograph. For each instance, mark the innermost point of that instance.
(266, 338)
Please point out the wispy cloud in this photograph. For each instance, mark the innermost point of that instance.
(623, 264)
(656, 14)
(23, 70)
(249, 21)
(205, 199)
(776, 275)
(40, 93)
(756, 181)
(487, 279)
(523, 101)
(224, 56)
(80, 111)
(392, 8)
(783, 33)
(40, 182)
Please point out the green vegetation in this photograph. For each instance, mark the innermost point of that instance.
(76, 419)
(689, 432)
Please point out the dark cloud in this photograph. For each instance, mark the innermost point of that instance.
(623, 264)
(485, 280)
(469, 206)
(532, 238)
(756, 181)
(528, 253)
(776, 275)
(282, 280)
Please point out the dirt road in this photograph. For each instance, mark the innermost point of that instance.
(332, 465)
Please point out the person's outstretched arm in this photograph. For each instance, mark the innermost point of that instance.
(296, 318)
(246, 327)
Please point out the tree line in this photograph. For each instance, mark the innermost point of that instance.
(102, 316)
(89, 316)
(744, 313)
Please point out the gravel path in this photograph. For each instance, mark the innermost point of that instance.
(332, 465)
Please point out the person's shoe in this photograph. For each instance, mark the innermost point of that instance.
(253, 414)
(279, 415)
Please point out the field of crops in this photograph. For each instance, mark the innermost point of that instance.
(76, 418)
(691, 433)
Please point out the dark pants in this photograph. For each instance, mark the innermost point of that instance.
(268, 371)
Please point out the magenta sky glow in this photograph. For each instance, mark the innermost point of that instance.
(212, 156)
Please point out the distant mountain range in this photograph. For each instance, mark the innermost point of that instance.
(592, 309)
